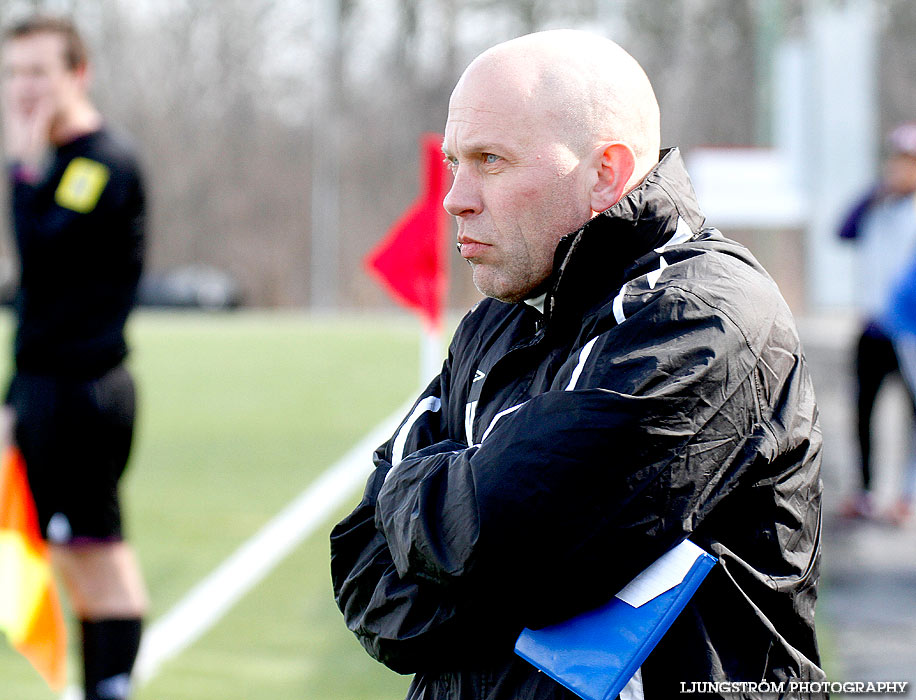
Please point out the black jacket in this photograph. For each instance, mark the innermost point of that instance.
(663, 394)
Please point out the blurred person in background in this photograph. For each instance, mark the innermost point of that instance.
(899, 316)
(78, 217)
(883, 227)
(632, 379)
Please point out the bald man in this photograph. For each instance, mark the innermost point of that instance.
(632, 379)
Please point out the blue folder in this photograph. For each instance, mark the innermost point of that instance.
(596, 654)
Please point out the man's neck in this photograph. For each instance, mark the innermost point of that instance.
(81, 119)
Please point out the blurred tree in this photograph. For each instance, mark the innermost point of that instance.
(897, 63)
(223, 96)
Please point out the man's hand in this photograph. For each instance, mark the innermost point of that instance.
(26, 133)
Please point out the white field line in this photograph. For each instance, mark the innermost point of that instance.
(210, 599)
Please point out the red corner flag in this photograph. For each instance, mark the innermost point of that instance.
(30, 613)
(409, 262)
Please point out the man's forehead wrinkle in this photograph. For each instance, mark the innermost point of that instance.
(487, 112)
(481, 124)
(472, 108)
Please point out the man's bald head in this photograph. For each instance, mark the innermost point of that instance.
(544, 132)
(588, 88)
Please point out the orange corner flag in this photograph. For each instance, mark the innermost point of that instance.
(30, 612)
(410, 260)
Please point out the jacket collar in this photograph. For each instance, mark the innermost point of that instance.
(590, 263)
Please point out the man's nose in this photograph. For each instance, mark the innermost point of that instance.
(463, 199)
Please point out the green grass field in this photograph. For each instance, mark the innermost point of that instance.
(238, 414)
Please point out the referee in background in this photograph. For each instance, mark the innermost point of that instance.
(78, 210)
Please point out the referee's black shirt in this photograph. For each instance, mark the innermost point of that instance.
(79, 230)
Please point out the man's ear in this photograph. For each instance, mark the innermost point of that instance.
(83, 75)
(616, 163)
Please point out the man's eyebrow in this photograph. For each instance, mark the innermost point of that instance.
(477, 147)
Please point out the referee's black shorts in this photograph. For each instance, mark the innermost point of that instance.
(75, 436)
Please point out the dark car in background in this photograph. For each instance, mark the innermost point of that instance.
(190, 286)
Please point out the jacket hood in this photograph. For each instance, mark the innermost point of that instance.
(591, 261)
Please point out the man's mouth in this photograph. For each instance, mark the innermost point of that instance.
(470, 248)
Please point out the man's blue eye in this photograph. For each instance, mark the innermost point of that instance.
(489, 158)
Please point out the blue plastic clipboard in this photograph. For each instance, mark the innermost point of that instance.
(595, 654)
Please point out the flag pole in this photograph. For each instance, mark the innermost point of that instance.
(410, 261)
(431, 355)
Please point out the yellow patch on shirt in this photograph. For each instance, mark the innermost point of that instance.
(81, 185)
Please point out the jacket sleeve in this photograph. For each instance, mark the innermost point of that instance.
(576, 491)
(401, 620)
(40, 215)
(852, 224)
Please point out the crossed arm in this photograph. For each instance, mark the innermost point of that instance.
(457, 543)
